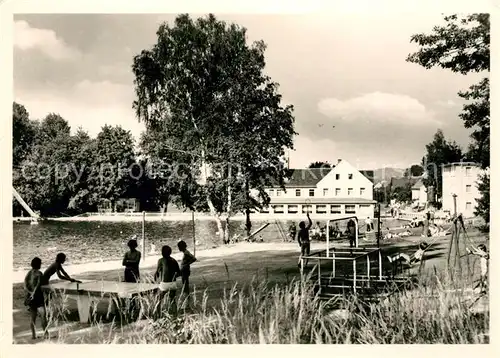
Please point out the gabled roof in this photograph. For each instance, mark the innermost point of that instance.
(309, 178)
(418, 184)
(306, 178)
(402, 182)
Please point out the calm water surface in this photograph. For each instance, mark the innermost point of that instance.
(93, 241)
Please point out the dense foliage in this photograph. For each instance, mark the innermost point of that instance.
(463, 46)
(203, 90)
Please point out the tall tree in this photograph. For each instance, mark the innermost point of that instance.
(463, 46)
(320, 165)
(44, 183)
(114, 158)
(439, 152)
(204, 86)
(414, 171)
(83, 194)
(23, 134)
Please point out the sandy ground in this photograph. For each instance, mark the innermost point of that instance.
(216, 271)
(150, 261)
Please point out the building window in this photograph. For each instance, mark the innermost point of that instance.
(278, 192)
(264, 210)
(306, 209)
(271, 192)
(278, 209)
(361, 191)
(468, 188)
(467, 171)
(320, 209)
(297, 192)
(293, 209)
(337, 176)
(349, 191)
(325, 192)
(337, 191)
(311, 192)
(350, 209)
(468, 206)
(336, 209)
(350, 176)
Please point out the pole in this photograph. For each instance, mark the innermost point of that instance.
(379, 265)
(379, 224)
(143, 235)
(354, 276)
(328, 238)
(194, 233)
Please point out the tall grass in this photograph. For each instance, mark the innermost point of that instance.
(260, 312)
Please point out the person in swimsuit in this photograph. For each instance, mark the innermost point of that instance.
(303, 238)
(185, 269)
(167, 271)
(131, 262)
(56, 268)
(351, 230)
(34, 300)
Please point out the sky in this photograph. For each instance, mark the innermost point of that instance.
(355, 96)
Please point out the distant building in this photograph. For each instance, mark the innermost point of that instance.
(419, 193)
(331, 192)
(121, 205)
(461, 179)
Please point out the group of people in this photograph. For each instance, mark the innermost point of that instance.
(35, 300)
(167, 271)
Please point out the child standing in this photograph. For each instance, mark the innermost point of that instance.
(34, 296)
(482, 252)
(131, 262)
(187, 260)
(303, 238)
(167, 271)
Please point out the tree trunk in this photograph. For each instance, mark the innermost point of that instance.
(248, 224)
(229, 204)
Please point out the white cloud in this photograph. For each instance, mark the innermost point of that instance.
(447, 104)
(90, 105)
(378, 107)
(29, 38)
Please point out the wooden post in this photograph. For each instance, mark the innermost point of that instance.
(379, 265)
(319, 275)
(354, 276)
(194, 233)
(368, 266)
(143, 235)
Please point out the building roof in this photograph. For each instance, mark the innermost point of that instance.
(469, 164)
(402, 182)
(418, 184)
(316, 200)
(306, 178)
(309, 178)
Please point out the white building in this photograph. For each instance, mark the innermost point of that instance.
(419, 193)
(337, 192)
(461, 179)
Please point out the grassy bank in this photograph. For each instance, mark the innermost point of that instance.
(255, 297)
(264, 313)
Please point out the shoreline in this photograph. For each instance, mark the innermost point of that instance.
(150, 261)
(156, 217)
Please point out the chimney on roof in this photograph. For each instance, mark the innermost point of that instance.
(339, 160)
